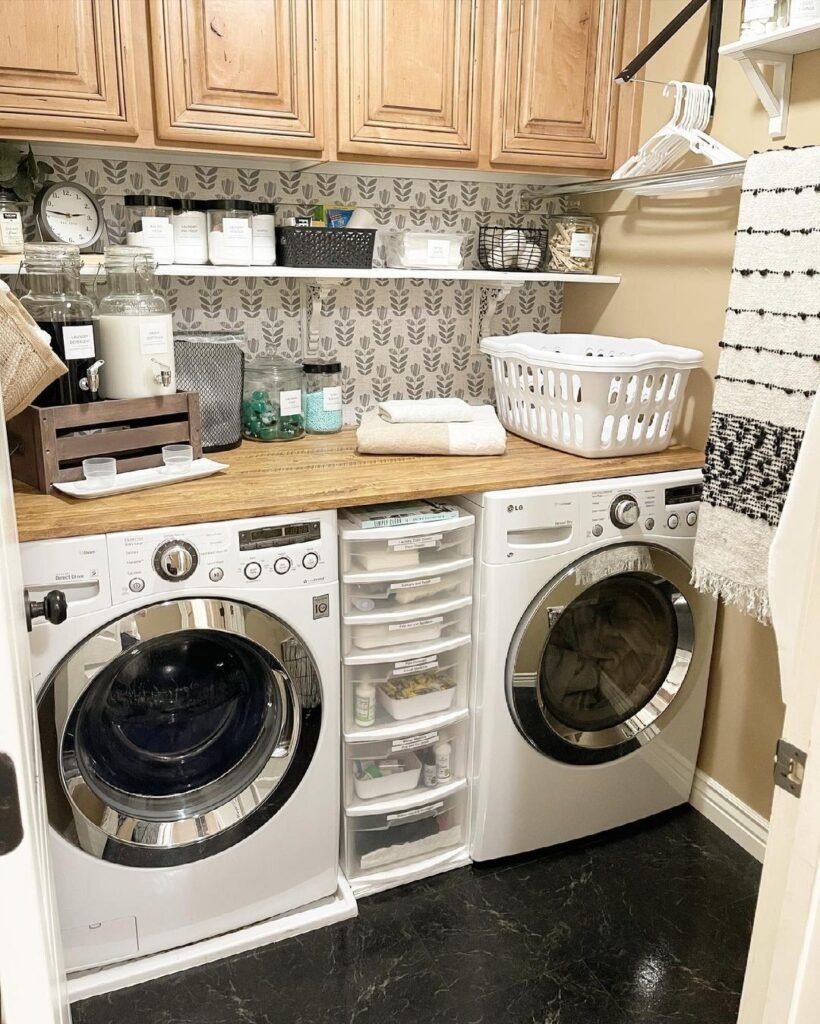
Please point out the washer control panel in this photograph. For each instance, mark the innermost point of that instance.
(249, 555)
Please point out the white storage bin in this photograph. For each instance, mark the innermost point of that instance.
(404, 759)
(377, 841)
(418, 546)
(442, 667)
(415, 588)
(587, 394)
(424, 250)
(407, 629)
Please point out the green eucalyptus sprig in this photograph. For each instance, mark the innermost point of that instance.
(22, 173)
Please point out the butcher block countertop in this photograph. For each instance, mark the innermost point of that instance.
(317, 473)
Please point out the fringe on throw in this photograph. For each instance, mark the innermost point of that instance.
(750, 600)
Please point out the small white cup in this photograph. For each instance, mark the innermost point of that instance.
(177, 457)
(100, 473)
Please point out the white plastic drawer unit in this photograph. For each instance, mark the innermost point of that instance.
(428, 682)
(422, 546)
(376, 841)
(416, 588)
(414, 764)
(410, 627)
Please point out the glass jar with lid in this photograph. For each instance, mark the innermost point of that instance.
(134, 327)
(148, 224)
(323, 397)
(573, 242)
(264, 234)
(272, 407)
(55, 301)
(190, 225)
(230, 235)
(761, 17)
(11, 223)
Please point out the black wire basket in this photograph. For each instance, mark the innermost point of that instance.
(512, 248)
(350, 248)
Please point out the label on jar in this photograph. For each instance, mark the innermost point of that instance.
(155, 334)
(414, 742)
(758, 10)
(290, 403)
(412, 584)
(262, 228)
(407, 668)
(411, 543)
(332, 398)
(803, 10)
(11, 229)
(237, 231)
(580, 246)
(438, 249)
(415, 624)
(78, 341)
(416, 812)
(189, 231)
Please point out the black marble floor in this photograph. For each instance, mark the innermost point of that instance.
(647, 925)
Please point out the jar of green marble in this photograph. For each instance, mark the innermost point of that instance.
(272, 400)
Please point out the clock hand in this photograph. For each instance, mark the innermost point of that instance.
(63, 213)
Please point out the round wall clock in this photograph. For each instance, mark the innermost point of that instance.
(69, 213)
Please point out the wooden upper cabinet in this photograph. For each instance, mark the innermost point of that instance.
(554, 101)
(66, 67)
(408, 79)
(239, 72)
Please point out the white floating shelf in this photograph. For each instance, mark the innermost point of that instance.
(11, 267)
(777, 50)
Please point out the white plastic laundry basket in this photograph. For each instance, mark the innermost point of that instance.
(588, 394)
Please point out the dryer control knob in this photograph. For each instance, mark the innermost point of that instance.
(176, 560)
(624, 511)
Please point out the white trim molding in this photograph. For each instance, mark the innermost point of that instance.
(737, 820)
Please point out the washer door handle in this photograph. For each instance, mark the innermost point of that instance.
(53, 608)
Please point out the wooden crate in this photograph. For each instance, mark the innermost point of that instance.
(47, 446)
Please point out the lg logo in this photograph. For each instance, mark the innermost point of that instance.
(515, 508)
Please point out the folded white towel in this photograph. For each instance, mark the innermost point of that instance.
(426, 410)
(483, 435)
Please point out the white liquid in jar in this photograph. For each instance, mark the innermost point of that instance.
(135, 349)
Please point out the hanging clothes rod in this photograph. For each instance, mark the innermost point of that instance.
(718, 176)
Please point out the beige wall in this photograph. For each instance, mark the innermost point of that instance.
(675, 257)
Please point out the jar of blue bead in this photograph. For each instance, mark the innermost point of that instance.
(272, 406)
(323, 397)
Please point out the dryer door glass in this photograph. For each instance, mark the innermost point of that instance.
(601, 655)
(177, 730)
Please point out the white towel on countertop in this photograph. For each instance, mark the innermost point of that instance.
(483, 435)
(426, 410)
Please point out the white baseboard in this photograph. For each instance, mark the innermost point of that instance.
(736, 819)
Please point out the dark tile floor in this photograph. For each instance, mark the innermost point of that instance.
(647, 925)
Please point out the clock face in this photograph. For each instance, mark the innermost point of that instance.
(70, 215)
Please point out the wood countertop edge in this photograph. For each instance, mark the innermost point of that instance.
(42, 517)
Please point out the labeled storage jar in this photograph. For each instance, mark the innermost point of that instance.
(263, 232)
(56, 302)
(272, 400)
(573, 242)
(230, 234)
(134, 328)
(11, 223)
(148, 224)
(190, 225)
(323, 397)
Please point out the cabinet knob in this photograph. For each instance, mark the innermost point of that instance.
(53, 608)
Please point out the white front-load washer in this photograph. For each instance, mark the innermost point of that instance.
(593, 658)
(189, 729)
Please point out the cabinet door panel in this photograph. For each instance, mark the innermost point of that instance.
(65, 66)
(238, 73)
(408, 78)
(554, 96)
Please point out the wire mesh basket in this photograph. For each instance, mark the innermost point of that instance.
(512, 248)
(350, 248)
(212, 364)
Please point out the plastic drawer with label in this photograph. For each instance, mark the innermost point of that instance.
(419, 545)
(420, 762)
(405, 589)
(407, 629)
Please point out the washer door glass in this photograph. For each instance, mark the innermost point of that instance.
(178, 730)
(601, 654)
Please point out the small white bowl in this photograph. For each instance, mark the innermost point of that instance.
(100, 473)
(178, 458)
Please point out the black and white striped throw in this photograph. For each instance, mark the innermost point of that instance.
(768, 373)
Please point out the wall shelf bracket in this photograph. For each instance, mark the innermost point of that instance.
(488, 302)
(774, 97)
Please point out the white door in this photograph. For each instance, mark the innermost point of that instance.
(32, 986)
(782, 983)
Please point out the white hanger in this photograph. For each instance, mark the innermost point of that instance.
(682, 134)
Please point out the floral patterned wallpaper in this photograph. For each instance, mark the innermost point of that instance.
(394, 338)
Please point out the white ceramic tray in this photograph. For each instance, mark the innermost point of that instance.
(142, 479)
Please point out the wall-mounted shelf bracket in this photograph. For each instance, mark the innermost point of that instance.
(314, 297)
(774, 97)
(487, 304)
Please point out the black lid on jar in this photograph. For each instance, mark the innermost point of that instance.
(184, 205)
(264, 208)
(148, 201)
(229, 204)
(319, 367)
